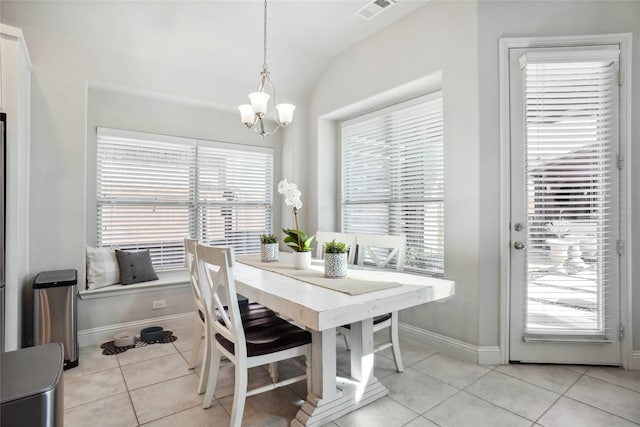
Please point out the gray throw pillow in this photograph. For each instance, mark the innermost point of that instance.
(135, 266)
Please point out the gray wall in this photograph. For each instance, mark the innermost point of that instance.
(528, 19)
(64, 111)
(460, 39)
(124, 109)
(454, 44)
(434, 46)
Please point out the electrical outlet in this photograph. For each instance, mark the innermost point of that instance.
(158, 304)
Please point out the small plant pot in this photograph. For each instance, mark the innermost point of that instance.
(335, 265)
(302, 260)
(269, 252)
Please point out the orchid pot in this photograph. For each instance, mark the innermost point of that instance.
(302, 260)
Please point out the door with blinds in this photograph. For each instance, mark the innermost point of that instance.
(564, 284)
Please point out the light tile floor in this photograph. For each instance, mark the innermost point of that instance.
(152, 386)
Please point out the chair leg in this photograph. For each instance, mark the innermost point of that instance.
(212, 377)
(273, 372)
(206, 363)
(240, 394)
(197, 338)
(346, 341)
(395, 342)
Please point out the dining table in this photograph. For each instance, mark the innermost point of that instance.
(321, 305)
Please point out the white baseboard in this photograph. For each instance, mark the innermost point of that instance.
(635, 360)
(482, 355)
(105, 333)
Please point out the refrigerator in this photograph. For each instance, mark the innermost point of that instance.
(3, 148)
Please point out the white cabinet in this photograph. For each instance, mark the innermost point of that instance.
(15, 95)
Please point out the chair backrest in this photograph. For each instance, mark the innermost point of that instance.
(192, 268)
(326, 236)
(382, 249)
(223, 311)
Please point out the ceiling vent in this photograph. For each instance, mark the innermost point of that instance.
(374, 8)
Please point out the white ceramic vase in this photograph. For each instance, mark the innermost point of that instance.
(302, 260)
(269, 252)
(335, 265)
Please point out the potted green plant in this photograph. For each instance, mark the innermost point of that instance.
(295, 238)
(268, 247)
(335, 259)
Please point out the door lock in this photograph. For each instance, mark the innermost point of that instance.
(518, 226)
(519, 245)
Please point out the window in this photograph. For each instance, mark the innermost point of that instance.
(153, 191)
(571, 144)
(393, 178)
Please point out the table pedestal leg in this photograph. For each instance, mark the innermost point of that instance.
(329, 398)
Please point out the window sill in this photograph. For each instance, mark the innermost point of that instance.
(173, 279)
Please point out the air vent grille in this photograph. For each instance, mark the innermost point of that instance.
(373, 8)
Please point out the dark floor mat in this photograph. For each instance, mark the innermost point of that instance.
(110, 349)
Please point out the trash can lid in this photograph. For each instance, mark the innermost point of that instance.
(52, 279)
(30, 371)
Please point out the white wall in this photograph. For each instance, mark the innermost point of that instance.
(438, 39)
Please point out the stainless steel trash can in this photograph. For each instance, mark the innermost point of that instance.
(31, 389)
(54, 308)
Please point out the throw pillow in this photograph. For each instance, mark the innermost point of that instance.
(102, 268)
(135, 266)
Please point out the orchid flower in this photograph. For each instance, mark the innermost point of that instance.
(296, 238)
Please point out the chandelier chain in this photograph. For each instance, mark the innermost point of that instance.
(264, 62)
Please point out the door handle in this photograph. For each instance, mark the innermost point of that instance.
(519, 245)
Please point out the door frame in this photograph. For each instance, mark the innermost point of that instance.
(626, 300)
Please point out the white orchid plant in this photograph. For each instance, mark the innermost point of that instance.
(296, 238)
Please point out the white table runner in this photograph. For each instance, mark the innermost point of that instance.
(315, 276)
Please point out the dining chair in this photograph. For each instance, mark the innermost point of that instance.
(323, 237)
(381, 250)
(247, 343)
(200, 295)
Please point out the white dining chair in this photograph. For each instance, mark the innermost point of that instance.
(381, 250)
(323, 237)
(200, 295)
(245, 342)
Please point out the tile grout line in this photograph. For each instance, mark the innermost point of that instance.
(610, 382)
(491, 403)
(592, 406)
(133, 407)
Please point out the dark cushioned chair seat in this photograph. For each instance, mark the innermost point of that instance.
(250, 311)
(376, 320)
(267, 335)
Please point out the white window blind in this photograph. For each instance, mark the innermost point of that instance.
(571, 103)
(153, 191)
(393, 178)
(234, 196)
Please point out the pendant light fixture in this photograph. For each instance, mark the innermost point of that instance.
(253, 114)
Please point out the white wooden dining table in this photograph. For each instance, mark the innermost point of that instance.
(321, 310)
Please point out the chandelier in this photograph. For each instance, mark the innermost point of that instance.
(253, 114)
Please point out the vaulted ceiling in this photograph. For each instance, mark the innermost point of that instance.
(223, 37)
